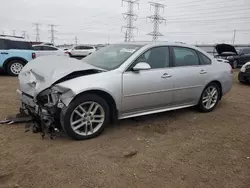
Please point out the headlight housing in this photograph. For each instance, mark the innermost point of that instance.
(48, 97)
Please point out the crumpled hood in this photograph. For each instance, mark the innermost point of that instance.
(220, 48)
(42, 72)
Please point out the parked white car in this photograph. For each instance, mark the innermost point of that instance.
(45, 50)
(81, 50)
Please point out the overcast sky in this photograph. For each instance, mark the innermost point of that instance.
(97, 21)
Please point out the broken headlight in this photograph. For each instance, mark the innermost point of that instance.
(48, 98)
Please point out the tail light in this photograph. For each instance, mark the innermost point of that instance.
(33, 55)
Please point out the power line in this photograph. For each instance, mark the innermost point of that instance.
(52, 33)
(130, 17)
(37, 31)
(156, 19)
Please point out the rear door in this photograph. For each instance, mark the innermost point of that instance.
(190, 75)
(77, 51)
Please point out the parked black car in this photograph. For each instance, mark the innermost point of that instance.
(228, 52)
(244, 74)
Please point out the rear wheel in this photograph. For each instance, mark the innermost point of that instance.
(209, 98)
(86, 117)
(14, 67)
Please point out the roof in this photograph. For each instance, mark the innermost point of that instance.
(44, 45)
(153, 43)
(13, 38)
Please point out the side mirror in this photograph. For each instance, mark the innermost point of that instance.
(141, 66)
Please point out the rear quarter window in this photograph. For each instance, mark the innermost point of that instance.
(204, 59)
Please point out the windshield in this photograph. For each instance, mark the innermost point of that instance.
(111, 56)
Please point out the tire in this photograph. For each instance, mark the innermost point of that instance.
(69, 115)
(14, 67)
(202, 107)
(235, 64)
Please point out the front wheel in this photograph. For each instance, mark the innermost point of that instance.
(14, 67)
(85, 117)
(209, 98)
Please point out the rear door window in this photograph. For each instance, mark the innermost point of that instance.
(185, 57)
(37, 48)
(49, 48)
(20, 45)
(2, 44)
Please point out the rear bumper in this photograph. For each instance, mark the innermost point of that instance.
(244, 77)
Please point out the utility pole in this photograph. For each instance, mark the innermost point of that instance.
(14, 33)
(37, 30)
(234, 35)
(156, 19)
(130, 16)
(24, 34)
(3, 32)
(52, 33)
(76, 40)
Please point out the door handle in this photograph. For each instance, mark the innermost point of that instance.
(5, 53)
(203, 72)
(166, 75)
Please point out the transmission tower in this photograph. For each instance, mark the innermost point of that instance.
(24, 34)
(14, 32)
(52, 33)
(76, 40)
(130, 16)
(156, 19)
(37, 30)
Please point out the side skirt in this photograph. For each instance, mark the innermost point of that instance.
(142, 113)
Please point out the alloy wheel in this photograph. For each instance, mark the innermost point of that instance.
(210, 97)
(87, 118)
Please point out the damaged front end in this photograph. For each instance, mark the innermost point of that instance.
(45, 110)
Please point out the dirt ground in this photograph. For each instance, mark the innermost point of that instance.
(178, 149)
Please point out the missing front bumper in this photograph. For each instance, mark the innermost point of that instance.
(45, 118)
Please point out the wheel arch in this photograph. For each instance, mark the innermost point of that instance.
(12, 59)
(108, 98)
(220, 86)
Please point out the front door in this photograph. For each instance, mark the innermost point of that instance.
(151, 89)
(190, 72)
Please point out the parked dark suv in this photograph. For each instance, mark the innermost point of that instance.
(228, 52)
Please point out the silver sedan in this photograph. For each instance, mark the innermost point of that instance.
(80, 97)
